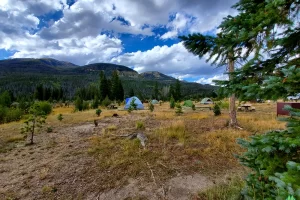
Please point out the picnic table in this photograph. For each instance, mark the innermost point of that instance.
(208, 107)
(246, 107)
(112, 106)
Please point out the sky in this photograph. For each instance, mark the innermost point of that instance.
(140, 34)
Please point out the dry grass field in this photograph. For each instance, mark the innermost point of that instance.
(190, 156)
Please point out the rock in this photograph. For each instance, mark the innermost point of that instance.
(142, 137)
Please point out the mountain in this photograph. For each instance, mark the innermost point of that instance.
(30, 65)
(107, 68)
(154, 75)
(21, 76)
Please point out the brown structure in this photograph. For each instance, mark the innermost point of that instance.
(280, 106)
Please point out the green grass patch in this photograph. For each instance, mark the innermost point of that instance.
(229, 191)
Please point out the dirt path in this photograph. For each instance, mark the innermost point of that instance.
(58, 166)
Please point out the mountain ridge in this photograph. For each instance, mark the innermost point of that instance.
(54, 73)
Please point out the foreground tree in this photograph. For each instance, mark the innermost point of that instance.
(272, 28)
(35, 121)
(222, 50)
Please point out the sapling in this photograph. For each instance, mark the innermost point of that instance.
(34, 122)
(60, 117)
(98, 112)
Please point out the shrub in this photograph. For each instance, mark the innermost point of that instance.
(3, 111)
(60, 117)
(49, 129)
(35, 120)
(274, 158)
(194, 107)
(223, 104)
(151, 106)
(178, 110)
(133, 104)
(98, 112)
(106, 101)
(217, 110)
(78, 104)
(140, 125)
(130, 109)
(172, 102)
(85, 105)
(95, 103)
(43, 106)
(13, 114)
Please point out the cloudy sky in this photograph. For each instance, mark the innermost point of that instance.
(141, 34)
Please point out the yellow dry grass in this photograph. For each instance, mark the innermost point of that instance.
(222, 143)
(259, 122)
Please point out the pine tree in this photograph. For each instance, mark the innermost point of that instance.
(222, 50)
(104, 86)
(120, 95)
(115, 85)
(274, 157)
(155, 91)
(171, 91)
(35, 120)
(177, 91)
(131, 92)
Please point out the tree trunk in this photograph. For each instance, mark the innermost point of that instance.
(32, 133)
(232, 110)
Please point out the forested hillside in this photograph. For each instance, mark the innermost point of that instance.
(22, 76)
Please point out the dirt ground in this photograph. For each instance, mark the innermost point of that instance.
(59, 165)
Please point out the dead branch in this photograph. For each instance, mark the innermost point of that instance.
(152, 175)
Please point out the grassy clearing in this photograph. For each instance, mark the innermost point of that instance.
(259, 122)
(170, 149)
(224, 191)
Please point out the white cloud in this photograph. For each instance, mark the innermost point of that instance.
(209, 80)
(174, 60)
(78, 36)
(86, 50)
(177, 25)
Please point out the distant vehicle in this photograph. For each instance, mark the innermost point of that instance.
(294, 98)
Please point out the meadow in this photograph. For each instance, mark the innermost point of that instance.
(190, 156)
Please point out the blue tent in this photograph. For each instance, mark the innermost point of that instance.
(139, 104)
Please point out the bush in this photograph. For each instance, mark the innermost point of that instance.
(95, 103)
(106, 101)
(151, 106)
(223, 104)
(98, 112)
(43, 106)
(172, 102)
(178, 110)
(217, 110)
(49, 129)
(78, 104)
(133, 104)
(193, 107)
(140, 125)
(13, 114)
(274, 158)
(60, 117)
(85, 105)
(10, 114)
(3, 111)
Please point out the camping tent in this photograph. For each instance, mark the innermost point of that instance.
(154, 101)
(126, 100)
(188, 103)
(207, 101)
(139, 104)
